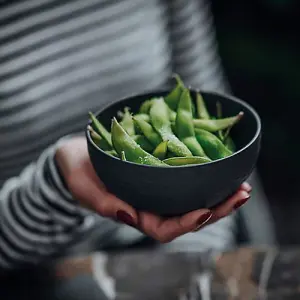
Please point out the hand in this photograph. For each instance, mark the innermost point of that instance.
(74, 163)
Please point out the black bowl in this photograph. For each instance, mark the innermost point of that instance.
(170, 191)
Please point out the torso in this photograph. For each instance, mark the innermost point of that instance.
(60, 60)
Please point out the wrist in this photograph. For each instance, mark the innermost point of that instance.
(61, 156)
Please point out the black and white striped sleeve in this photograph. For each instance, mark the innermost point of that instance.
(37, 214)
(194, 46)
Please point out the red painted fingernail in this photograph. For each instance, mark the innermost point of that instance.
(203, 220)
(126, 218)
(241, 202)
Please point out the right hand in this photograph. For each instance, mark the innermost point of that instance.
(83, 183)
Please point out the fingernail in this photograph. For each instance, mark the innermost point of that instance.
(203, 220)
(241, 202)
(126, 218)
(247, 187)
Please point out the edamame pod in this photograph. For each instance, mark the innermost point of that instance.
(212, 145)
(100, 129)
(160, 120)
(134, 153)
(148, 131)
(170, 155)
(219, 109)
(184, 124)
(143, 142)
(161, 150)
(143, 117)
(202, 111)
(224, 137)
(145, 107)
(219, 115)
(173, 97)
(98, 140)
(229, 143)
(187, 160)
(173, 127)
(127, 122)
(112, 153)
(172, 115)
(227, 140)
(218, 124)
(123, 156)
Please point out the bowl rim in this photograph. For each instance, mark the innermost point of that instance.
(224, 95)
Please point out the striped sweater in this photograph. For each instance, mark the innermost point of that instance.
(60, 59)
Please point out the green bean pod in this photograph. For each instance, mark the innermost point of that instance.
(98, 140)
(219, 115)
(184, 124)
(143, 142)
(170, 154)
(148, 131)
(160, 120)
(229, 143)
(218, 124)
(172, 115)
(145, 107)
(127, 122)
(212, 145)
(100, 129)
(112, 153)
(187, 160)
(134, 153)
(173, 97)
(144, 117)
(161, 150)
(173, 127)
(123, 156)
(202, 111)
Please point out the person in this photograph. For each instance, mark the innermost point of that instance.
(61, 59)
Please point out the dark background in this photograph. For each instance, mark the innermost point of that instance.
(258, 43)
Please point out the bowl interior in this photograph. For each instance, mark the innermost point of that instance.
(242, 133)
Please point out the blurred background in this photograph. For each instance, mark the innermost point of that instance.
(260, 53)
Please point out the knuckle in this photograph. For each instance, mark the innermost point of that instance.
(103, 209)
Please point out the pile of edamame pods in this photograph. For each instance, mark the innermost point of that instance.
(167, 131)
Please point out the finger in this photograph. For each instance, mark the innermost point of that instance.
(104, 203)
(166, 230)
(233, 203)
(246, 187)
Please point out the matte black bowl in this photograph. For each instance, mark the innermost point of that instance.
(170, 191)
